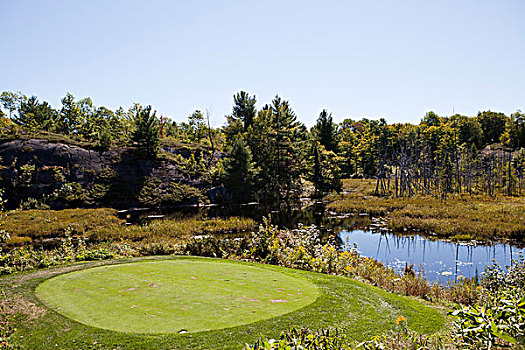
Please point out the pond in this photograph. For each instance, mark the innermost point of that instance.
(439, 260)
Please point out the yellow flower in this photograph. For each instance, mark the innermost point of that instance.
(400, 319)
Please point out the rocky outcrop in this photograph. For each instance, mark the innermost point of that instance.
(66, 175)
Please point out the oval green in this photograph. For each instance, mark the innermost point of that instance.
(175, 296)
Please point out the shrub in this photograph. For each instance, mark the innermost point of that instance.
(32, 203)
(323, 339)
(496, 321)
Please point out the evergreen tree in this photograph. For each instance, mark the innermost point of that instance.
(33, 114)
(324, 172)
(239, 172)
(146, 136)
(431, 119)
(242, 117)
(325, 131)
(197, 126)
(280, 143)
(317, 177)
(69, 116)
(244, 108)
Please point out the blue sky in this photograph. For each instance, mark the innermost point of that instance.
(391, 59)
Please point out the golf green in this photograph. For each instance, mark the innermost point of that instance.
(175, 296)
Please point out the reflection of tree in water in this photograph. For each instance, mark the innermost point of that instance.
(458, 259)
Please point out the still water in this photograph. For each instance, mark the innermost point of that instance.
(440, 260)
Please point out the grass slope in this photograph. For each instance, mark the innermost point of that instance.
(361, 311)
(170, 296)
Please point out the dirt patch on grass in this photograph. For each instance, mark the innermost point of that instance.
(16, 305)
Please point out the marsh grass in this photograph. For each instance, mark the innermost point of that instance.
(27, 225)
(103, 225)
(460, 218)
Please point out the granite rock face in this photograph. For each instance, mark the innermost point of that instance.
(73, 176)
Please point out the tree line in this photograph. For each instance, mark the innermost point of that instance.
(271, 156)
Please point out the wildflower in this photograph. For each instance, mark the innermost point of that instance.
(400, 319)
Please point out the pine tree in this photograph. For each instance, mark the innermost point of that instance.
(146, 135)
(324, 171)
(33, 114)
(325, 131)
(244, 108)
(239, 172)
(69, 115)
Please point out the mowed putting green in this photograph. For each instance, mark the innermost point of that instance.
(175, 296)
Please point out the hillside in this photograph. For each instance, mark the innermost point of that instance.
(38, 173)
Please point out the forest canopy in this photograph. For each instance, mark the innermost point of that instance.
(269, 154)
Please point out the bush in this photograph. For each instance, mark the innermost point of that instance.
(497, 321)
(323, 339)
(32, 203)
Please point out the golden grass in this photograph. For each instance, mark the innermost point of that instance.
(460, 217)
(100, 225)
(39, 224)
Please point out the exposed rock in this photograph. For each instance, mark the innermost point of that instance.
(119, 173)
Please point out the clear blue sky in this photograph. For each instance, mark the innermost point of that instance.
(392, 59)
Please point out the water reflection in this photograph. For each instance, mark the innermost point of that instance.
(440, 260)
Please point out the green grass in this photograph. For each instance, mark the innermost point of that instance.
(172, 295)
(361, 311)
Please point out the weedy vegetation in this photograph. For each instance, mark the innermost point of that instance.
(479, 218)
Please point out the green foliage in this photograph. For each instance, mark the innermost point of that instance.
(11, 101)
(105, 138)
(153, 193)
(72, 194)
(243, 114)
(493, 322)
(69, 115)
(498, 318)
(146, 136)
(239, 172)
(440, 156)
(323, 339)
(33, 203)
(324, 171)
(469, 131)
(492, 124)
(26, 173)
(277, 140)
(197, 126)
(325, 131)
(35, 115)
